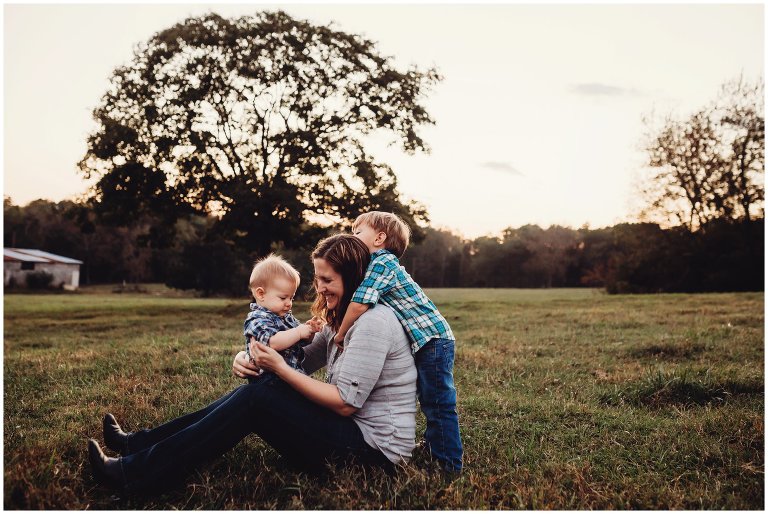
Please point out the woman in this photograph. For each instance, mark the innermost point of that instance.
(365, 412)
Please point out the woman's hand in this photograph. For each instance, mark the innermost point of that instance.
(243, 368)
(267, 358)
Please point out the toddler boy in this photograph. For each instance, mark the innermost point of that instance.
(432, 342)
(273, 284)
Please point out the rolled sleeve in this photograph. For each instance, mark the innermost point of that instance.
(364, 359)
(366, 296)
(261, 328)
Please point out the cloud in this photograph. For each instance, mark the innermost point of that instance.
(596, 89)
(501, 166)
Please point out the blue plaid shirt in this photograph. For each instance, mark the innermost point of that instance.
(387, 282)
(262, 323)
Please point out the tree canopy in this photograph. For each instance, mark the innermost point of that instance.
(260, 121)
(710, 165)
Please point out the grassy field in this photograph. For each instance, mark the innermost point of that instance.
(569, 399)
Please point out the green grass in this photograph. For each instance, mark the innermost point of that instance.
(569, 399)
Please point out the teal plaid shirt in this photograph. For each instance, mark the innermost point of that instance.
(387, 282)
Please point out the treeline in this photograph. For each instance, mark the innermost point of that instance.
(626, 258)
(723, 255)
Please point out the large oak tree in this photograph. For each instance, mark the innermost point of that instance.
(260, 120)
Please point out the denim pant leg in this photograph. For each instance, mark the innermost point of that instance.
(310, 435)
(306, 433)
(437, 396)
(141, 439)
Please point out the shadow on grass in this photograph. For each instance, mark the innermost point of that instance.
(683, 350)
(661, 389)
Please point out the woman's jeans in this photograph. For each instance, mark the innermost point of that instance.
(305, 433)
(437, 396)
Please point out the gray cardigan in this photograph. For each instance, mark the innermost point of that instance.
(376, 374)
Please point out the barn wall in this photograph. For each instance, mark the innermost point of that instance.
(67, 275)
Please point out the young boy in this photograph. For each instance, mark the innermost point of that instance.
(432, 341)
(273, 284)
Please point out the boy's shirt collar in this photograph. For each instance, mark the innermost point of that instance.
(256, 307)
(379, 252)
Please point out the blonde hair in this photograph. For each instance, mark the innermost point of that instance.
(269, 268)
(398, 232)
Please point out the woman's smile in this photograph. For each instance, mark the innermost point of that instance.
(330, 300)
(328, 282)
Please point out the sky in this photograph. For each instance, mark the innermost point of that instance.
(538, 118)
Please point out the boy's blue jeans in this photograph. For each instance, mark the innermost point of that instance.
(437, 396)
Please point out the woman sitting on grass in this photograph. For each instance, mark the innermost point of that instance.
(364, 412)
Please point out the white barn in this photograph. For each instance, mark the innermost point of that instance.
(20, 262)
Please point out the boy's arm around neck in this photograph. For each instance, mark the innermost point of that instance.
(354, 311)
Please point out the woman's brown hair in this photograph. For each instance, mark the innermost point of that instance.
(349, 257)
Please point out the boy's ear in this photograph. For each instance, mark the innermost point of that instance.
(258, 293)
(380, 238)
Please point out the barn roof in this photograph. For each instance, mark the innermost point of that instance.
(28, 255)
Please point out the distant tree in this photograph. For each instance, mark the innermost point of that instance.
(594, 249)
(209, 266)
(13, 222)
(740, 110)
(487, 261)
(710, 165)
(71, 229)
(725, 259)
(501, 262)
(42, 225)
(688, 171)
(548, 250)
(260, 121)
(645, 258)
(437, 260)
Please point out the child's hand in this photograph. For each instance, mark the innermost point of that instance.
(316, 324)
(312, 327)
(305, 331)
